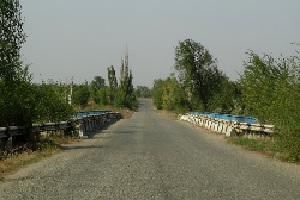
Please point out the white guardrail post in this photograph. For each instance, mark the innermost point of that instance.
(228, 127)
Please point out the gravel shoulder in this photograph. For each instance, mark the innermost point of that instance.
(279, 167)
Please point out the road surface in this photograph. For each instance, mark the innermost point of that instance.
(150, 157)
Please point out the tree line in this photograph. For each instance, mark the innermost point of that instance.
(23, 103)
(200, 85)
(118, 94)
(268, 89)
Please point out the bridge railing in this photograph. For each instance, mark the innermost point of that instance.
(229, 127)
(11, 137)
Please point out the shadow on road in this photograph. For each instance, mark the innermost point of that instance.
(72, 147)
(125, 132)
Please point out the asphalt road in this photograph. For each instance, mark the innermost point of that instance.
(150, 157)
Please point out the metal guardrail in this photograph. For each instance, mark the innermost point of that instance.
(229, 127)
(84, 126)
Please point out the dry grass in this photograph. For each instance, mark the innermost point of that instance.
(15, 162)
(167, 114)
(66, 140)
(50, 146)
(126, 114)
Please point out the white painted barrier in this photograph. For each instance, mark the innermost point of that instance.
(224, 128)
(229, 128)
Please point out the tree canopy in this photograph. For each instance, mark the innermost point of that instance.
(198, 74)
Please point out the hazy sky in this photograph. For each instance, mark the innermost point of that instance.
(81, 38)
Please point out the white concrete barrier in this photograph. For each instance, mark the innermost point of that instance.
(184, 117)
(229, 128)
(220, 127)
(224, 128)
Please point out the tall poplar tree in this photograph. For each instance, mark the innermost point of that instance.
(11, 40)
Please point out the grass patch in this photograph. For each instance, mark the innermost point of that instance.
(167, 114)
(15, 162)
(45, 148)
(66, 140)
(265, 146)
(256, 144)
(249, 143)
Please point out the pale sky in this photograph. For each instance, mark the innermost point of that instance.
(82, 38)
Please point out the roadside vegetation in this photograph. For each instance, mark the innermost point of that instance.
(268, 89)
(12, 164)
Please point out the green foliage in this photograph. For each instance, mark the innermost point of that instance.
(13, 78)
(122, 95)
(260, 86)
(120, 98)
(112, 81)
(22, 103)
(16, 103)
(11, 40)
(125, 96)
(95, 86)
(50, 104)
(169, 95)
(102, 94)
(157, 93)
(81, 95)
(224, 99)
(198, 74)
(201, 86)
(173, 95)
(143, 92)
(256, 144)
(271, 91)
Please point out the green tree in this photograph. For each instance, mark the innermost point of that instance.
(81, 95)
(15, 87)
(157, 93)
(169, 95)
(11, 40)
(271, 92)
(173, 95)
(125, 96)
(143, 92)
(225, 97)
(198, 74)
(259, 85)
(50, 105)
(102, 94)
(95, 85)
(112, 83)
(16, 103)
